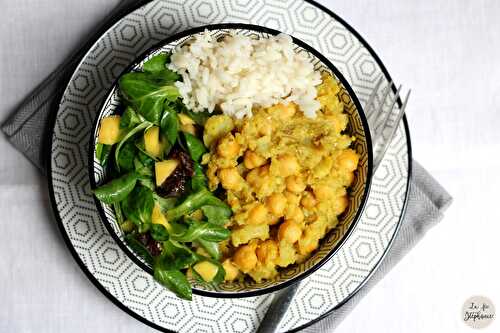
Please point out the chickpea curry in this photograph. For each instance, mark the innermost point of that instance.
(285, 178)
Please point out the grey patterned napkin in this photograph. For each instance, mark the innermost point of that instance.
(427, 203)
(27, 129)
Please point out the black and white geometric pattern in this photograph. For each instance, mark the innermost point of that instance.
(124, 280)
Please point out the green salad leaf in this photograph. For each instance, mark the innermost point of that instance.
(176, 255)
(139, 249)
(130, 119)
(202, 230)
(157, 63)
(217, 214)
(117, 189)
(193, 202)
(141, 169)
(212, 248)
(102, 153)
(164, 203)
(138, 207)
(174, 280)
(118, 212)
(144, 159)
(127, 226)
(159, 232)
(126, 157)
(195, 146)
(144, 170)
(169, 124)
(147, 92)
(199, 180)
(147, 182)
(200, 118)
(136, 130)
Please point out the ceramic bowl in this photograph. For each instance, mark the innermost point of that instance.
(358, 191)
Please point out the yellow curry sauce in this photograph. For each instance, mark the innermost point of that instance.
(285, 177)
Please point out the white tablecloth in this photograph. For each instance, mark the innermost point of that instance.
(447, 51)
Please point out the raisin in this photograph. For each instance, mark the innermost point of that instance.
(186, 162)
(154, 247)
(175, 184)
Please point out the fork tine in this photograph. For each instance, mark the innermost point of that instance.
(373, 94)
(382, 103)
(376, 115)
(379, 129)
(393, 131)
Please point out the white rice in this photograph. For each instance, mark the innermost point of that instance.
(238, 73)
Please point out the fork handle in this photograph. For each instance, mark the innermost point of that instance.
(277, 310)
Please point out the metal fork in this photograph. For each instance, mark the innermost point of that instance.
(383, 119)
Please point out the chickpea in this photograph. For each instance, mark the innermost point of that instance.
(234, 202)
(230, 178)
(308, 200)
(284, 111)
(323, 168)
(350, 178)
(257, 214)
(348, 160)
(307, 243)
(231, 270)
(340, 204)
(276, 204)
(253, 160)
(288, 165)
(240, 218)
(264, 170)
(266, 128)
(245, 258)
(323, 192)
(258, 177)
(272, 220)
(295, 214)
(289, 231)
(287, 111)
(295, 184)
(292, 198)
(267, 251)
(312, 218)
(253, 177)
(228, 147)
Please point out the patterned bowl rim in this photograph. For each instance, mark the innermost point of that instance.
(359, 110)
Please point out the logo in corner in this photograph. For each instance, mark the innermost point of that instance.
(478, 312)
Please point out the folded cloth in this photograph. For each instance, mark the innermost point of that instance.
(27, 129)
(426, 205)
